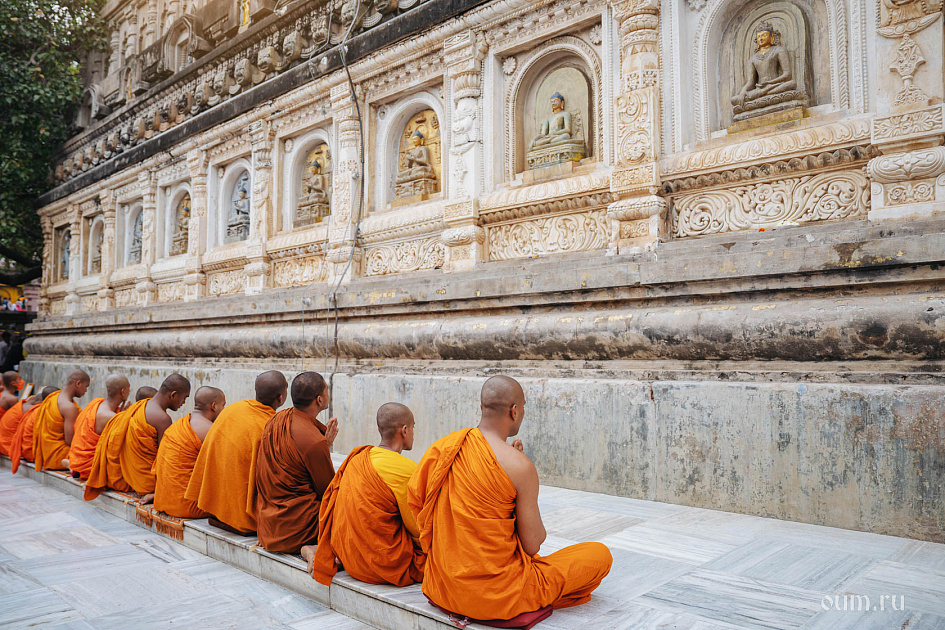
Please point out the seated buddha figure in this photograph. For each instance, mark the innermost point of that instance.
(417, 175)
(559, 139)
(313, 204)
(771, 79)
(557, 128)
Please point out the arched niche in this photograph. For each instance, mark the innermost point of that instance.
(307, 185)
(565, 65)
(393, 124)
(63, 249)
(177, 215)
(96, 244)
(133, 234)
(723, 41)
(232, 204)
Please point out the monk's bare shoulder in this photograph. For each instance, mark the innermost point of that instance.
(155, 416)
(516, 464)
(201, 427)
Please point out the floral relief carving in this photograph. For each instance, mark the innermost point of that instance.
(908, 124)
(913, 165)
(822, 197)
(634, 127)
(126, 297)
(549, 235)
(89, 303)
(227, 282)
(170, 291)
(406, 256)
(296, 272)
(910, 192)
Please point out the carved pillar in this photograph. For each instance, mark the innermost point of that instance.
(257, 269)
(106, 295)
(195, 281)
(147, 291)
(150, 23)
(75, 258)
(346, 180)
(637, 215)
(908, 181)
(114, 53)
(49, 261)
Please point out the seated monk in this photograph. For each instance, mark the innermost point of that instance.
(129, 443)
(476, 501)
(55, 423)
(223, 481)
(91, 422)
(11, 410)
(11, 387)
(178, 453)
(366, 502)
(293, 468)
(145, 391)
(22, 446)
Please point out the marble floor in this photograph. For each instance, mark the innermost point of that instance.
(66, 565)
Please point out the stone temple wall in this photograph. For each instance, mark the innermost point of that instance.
(713, 259)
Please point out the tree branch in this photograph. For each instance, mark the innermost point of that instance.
(17, 257)
(16, 278)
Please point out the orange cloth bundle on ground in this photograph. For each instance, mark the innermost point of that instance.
(223, 480)
(173, 468)
(360, 523)
(9, 423)
(84, 440)
(22, 447)
(465, 507)
(124, 455)
(49, 438)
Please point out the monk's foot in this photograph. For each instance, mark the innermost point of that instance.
(308, 552)
(146, 499)
(65, 464)
(338, 565)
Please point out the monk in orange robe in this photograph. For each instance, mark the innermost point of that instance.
(476, 500)
(12, 383)
(223, 481)
(11, 410)
(293, 468)
(54, 426)
(128, 445)
(364, 520)
(22, 446)
(145, 391)
(9, 423)
(96, 414)
(178, 452)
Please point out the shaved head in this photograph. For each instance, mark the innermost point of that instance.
(10, 379)
(391, 417)
(499, 393)
(114, 384)
(206, 396)
(48, 391)
(306, 387)
(145, 391)
(78, 376)
(270, 387)
(175, 383)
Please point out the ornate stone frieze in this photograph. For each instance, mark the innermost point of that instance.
(295, 272)
(413, 255)
(578, 232)
(401, 224)
(910, 192)
(920, 164)
(89, 303)
(170, 291)
(827, 196)
(226, 282)
(463, 235)
(573, 194)
(57, 307)
(126, 297)
(909, 126)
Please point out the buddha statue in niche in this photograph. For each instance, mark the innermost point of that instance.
(314, 197)
(137, 233)
(559, 139)
(95, 260)
(237, 226)
(181, 227)
(66, 254)
(771, 84)
(417, 174)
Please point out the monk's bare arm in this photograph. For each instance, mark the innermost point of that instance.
(7, 400)
(69, 414)
(102, 417)
(162, 425)
(528, 524)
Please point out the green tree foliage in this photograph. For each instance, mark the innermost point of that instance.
(42, 43)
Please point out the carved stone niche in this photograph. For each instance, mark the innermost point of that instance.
(183, 43)
(759, 86)
(314, 186)
(96, 239)
(419, 159)
(552, 110)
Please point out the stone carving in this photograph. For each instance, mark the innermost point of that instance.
(903, 126)
(560, 137)
(237, 225)
(89, 303)
(407, 256)
(170, 291)
(771, 79)
(827, 196)
(295, 272)
(179, 239)
(509, 65)
(464, 139)
(903, 19)
(696, 5)
(95, 255)
(635, 127)
(585, 231)
(419, 173)
(919, 164)
(315, 193)
(134, 250)
(910, 192)
(227, 282)
(245, 17)
(66, 255)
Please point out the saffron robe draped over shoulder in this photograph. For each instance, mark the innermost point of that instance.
(360, 523)
(465, 507)
(22, 447)
(124, 454)
(173, 468)
(84, 440)
(223, 483)
(9, 423)
(293, 470)
(49, 437)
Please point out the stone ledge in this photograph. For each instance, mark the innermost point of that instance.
(384, 607)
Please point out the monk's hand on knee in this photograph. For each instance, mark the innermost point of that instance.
(518, 446)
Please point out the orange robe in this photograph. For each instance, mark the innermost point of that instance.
(173, 468)
(49, 438)
(476, 567)
(84, 440)
(223, 483)
(359, 522)
(22, 446)
(124, 454)
(9, 423)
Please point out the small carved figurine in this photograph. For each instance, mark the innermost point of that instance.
(237, 228)
(771, 78)
(559, 138)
